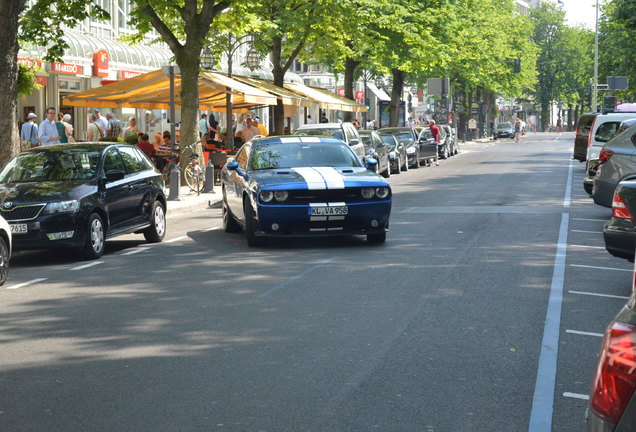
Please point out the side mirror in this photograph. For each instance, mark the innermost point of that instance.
(114, 175)
(232, 166)
(354, 141)
(371, 164)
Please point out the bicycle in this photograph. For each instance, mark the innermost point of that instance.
(193, 174)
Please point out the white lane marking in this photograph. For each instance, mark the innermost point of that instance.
(568, 187)
(593, 220)
(333, 178)
(587, 232)
(599, 295)
(588, 247)
(211, 229)
(135, 251)
(85, 266)
(599, 268)
(582, 333)
(176, 239)
(312, 177)
(576, 396)
(23, 284)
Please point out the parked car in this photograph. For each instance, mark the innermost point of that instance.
(612, 405)
(594, 130)
(5, 249)
(617, 161)
(504, 130)
(418, 151)
(619, 232)
(376, 148)
(451, 139)
(294, 186)
(345, 131)
(78, 195)
(397, 154)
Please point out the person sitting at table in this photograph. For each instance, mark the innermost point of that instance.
(144, 144)
(166, 146)
(248, 132)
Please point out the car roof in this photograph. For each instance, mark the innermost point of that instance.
(295, 139)
(77, 146)
(395, 129)
(323, 125)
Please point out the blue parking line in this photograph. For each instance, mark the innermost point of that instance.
(298, 276)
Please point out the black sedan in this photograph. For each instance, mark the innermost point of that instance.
(397, 154)
(619, 231)
(77, 195)
(419, 144)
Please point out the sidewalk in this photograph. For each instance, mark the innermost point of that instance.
(189, 201)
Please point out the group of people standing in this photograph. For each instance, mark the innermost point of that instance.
(108, 127)
(245, 127)
(49, 131)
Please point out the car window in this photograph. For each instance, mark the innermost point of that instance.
(242, 157)
(65, 165)
(144, 159)
(585, 125)
(606, 131)
(405, 136)
(366, 139)
(112, 161)
(351, 135)
(132, 160)
(377, 141)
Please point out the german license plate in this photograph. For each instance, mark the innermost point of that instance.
(329, 211)
(18, 228)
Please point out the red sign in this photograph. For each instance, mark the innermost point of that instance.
(106, 82)
(42, 80)
(359, 95)
(67, 68)
(341, 92)
(123, 74)
(100, 63)
(30, 62)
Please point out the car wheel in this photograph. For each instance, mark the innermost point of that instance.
(157, 230)
(445, 152)
(230, 225)
(376, 237)
(417, 161)
(94, 246)
(250, 226)
(396, 169)
(387, 172)
(4, 261)
(405, 167)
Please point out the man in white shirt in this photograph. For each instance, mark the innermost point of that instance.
(248, 132)
(101, 121)
(47, 132)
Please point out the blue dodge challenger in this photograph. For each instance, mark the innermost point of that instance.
(303, 186)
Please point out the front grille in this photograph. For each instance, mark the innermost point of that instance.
(25, 212)
(328, 195)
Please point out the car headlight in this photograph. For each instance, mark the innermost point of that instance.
(266, 196)
(410, 150)
(62, 207)
(382, 192)
(281, 196)
(368, 193)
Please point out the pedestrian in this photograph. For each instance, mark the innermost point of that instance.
(213, 128)
(47, 132)
(115, 127)
(369, 124)
(435, 133)
(101, 121)
(61, 129)
(248, 132)
(29, 132)
(323, 118)
(309, 119)
(69, 130)
(94, 132)
(240, 124)
(356, 123)
(204, 125)
(261, 128)
(131, 130)
(144, 144)
(523, 127)
(558, 125)
(517, 127)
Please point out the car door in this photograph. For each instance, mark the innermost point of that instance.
(354, 140)
(234, 190)
(116, 193)
(382, 151)
(139, 183)
(427, 145)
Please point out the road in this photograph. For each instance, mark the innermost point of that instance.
(442, 328)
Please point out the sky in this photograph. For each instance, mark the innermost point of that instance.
(581, 11)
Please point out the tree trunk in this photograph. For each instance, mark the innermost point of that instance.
(189, 65)
(350, 68)
(9, 134)
(396, 96)
(279, 80)
(545, 115)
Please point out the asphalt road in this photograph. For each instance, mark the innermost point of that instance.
(440, 329)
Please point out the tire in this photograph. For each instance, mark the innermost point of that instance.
(445, 152)
(405, 167)
(230, 225)
(157, 230)
(387, 173)
(250, 226)
(4, 261)
(397, 169)
(193, 179)
(417, 161)
(376, 237)
(95, 237)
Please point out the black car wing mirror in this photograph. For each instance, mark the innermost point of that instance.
(114, 175)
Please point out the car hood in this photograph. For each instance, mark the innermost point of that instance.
(316, 178)
(44, 191)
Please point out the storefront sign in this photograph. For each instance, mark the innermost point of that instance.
(106, 82)
(359, 95)
(30, 62)
(42, 80)
(123, 74)
(100, 63)
(67, 68)
(341, 92)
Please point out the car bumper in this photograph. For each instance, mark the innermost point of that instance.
(37, 236)
(603, 192)
(504, 135)
(294, 220)
(620, 238)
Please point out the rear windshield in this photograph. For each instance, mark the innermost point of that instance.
(585, 125)
(294, 155)
(403, 136)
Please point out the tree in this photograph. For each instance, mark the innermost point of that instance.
(184, 27)
(43, 28)
(617, 46)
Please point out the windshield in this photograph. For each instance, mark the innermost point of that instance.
(405, 137)
(366, 138)
(388, 140)
(504, 126)
(292, 155)
(321, 132)
(42, 166)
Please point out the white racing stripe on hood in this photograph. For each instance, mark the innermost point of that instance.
(332, 177)
(312, 177)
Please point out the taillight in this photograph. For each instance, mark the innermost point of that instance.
(604, 156)
(619, 209)
(615, 379)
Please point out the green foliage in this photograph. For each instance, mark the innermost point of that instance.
(617, 45)
(41, 25)
(131, 139)
(27, 80)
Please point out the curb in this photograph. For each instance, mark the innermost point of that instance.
(188, 204)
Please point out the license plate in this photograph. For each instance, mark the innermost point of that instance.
(329, 211)
(18, 228)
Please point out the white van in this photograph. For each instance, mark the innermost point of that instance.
(602, 128)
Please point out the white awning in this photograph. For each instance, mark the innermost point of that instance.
(379, 93)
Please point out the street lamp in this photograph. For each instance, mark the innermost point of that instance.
(252, 59)
(379, 82)
(207, 59)
(414, 89)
